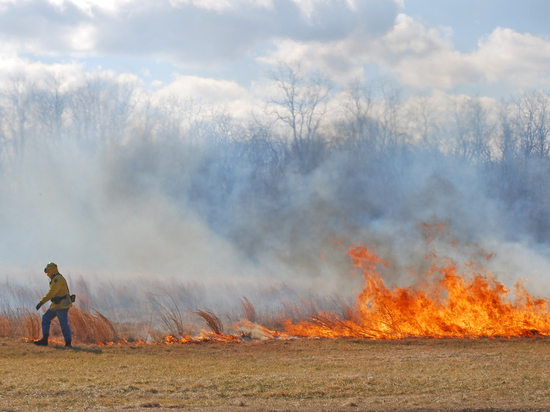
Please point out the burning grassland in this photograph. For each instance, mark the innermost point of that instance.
(456, 339)
(448, 300)
(447, 304)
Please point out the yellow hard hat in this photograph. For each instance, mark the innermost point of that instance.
(49, 265)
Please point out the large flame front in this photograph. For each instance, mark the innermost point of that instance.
(452, 302)
(452, 305)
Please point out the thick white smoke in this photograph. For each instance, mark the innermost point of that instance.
(164, 196)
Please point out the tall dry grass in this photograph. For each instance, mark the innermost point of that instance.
(249, 311)
(91, 328)
(168, 315)
(19, 323)
(86, 327)
(213, 322)
(168, 312)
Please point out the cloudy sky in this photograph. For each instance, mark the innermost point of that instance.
(222, 49)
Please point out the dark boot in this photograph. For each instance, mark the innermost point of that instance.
(68, 344)
(43, 341)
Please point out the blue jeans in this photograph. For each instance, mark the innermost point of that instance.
(63, 316)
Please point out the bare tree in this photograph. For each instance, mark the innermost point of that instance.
(301, 106)
(533, 166)
(506, 141)
(392, 134)
(422, 116)
(481, 131)
(532, 115)
(473, 130)
(51, 106)
(357, 104)
(123, 103)
(181, 119)
(19, 94)
(225, 137)
(265, 154)
(87, 110)
(359, 128)
(147, 115)
(172, 114)
(101, 109)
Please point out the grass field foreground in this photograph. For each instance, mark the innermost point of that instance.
(341, 374)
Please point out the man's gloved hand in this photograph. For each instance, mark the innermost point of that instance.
(39, 305)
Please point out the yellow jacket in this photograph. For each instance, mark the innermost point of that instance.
(58, 288)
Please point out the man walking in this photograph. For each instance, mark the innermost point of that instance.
(61, 302)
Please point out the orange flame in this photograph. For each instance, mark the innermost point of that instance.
(258, 332)
(457, 306)
(448, 304)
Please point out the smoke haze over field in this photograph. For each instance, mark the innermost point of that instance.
(258, 145)
(196, 194)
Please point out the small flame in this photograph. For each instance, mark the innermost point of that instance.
(258, 332)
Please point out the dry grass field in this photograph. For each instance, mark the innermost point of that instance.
(279, 375)
(394, 349)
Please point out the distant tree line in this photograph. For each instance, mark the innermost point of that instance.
(367, 142)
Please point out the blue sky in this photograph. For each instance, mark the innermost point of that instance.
(483, 47)
(472, 20)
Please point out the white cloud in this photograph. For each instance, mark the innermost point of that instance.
(523, 59)
(84, 38)
(425, 57)
(238, 100)
(429, 59)
(192, 32)
(422, 57)
(209, 89)
(220, 5)
(68, 76)
(338, 37)
(335, 58)
(110, 6)
(308, 7)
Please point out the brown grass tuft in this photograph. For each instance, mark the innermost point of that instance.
(91, 328)
(213, 322)
(248, 310)
(32, 323)
(6, 328)
(15, 323)
(85, 327)
(164, 305)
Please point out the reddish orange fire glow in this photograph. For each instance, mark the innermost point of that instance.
(450, 302)
(454, 305)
